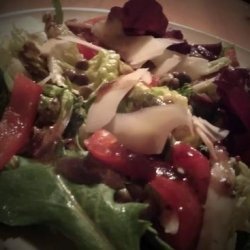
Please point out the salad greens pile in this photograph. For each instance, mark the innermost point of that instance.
(81, 212)
(120, 134)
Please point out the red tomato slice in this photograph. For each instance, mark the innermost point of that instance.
(155, 81)
(195, 165)
(87, 52)
(179, 197)
(16, 124)
(105, 147)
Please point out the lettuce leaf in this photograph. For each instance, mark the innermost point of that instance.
(151, 241)
(88, 215)
(103, 68)
(207, 51)
(233, 87)
(242, 217)
(140, 17)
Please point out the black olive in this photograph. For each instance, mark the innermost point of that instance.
(182, 77)
(81, 79)
(77, 78)
(82, 65)
(174, 83)
(70, 74)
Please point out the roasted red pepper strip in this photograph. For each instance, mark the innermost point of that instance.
(18, 118)
(181, 199)
(105, 147)
(195, 165)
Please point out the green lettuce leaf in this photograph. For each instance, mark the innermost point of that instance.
(88, 215)
(103, 68)
(218, 64)
(151, 241)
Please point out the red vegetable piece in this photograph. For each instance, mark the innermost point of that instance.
(95, 20)
(195, 165)
(105, 147)
(18, 118)
(180, 198)
(87, 52)
(155, 81)
(230, 52)
(140, 17)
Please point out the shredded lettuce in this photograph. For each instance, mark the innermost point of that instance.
(64, 51)
(10, 48)
(18, 37)
(56, 72)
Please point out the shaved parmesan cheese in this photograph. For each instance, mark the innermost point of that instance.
(217, 233)
(62, 50)
(208, 133)
(195, 67)
(146, 131)
(147, 78)
(135, 50)
(214, 133)
(170, 221)
(104, 108)
(166, 62)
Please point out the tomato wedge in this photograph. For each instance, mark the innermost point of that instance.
(87, 52)
(195, 165)
(18, 118)
(105, 147)
(180, 198)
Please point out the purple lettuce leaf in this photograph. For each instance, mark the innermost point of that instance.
(233, 88)
(207, 51)
(183, 47)
(140, 17)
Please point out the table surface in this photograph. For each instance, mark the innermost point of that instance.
(228, 19)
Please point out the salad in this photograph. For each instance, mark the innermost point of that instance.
(118, 133)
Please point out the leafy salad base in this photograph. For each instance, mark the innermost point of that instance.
(190, 34)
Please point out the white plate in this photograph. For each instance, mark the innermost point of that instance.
(25, 19)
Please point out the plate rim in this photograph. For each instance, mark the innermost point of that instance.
(105, 11)
(37, 10)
